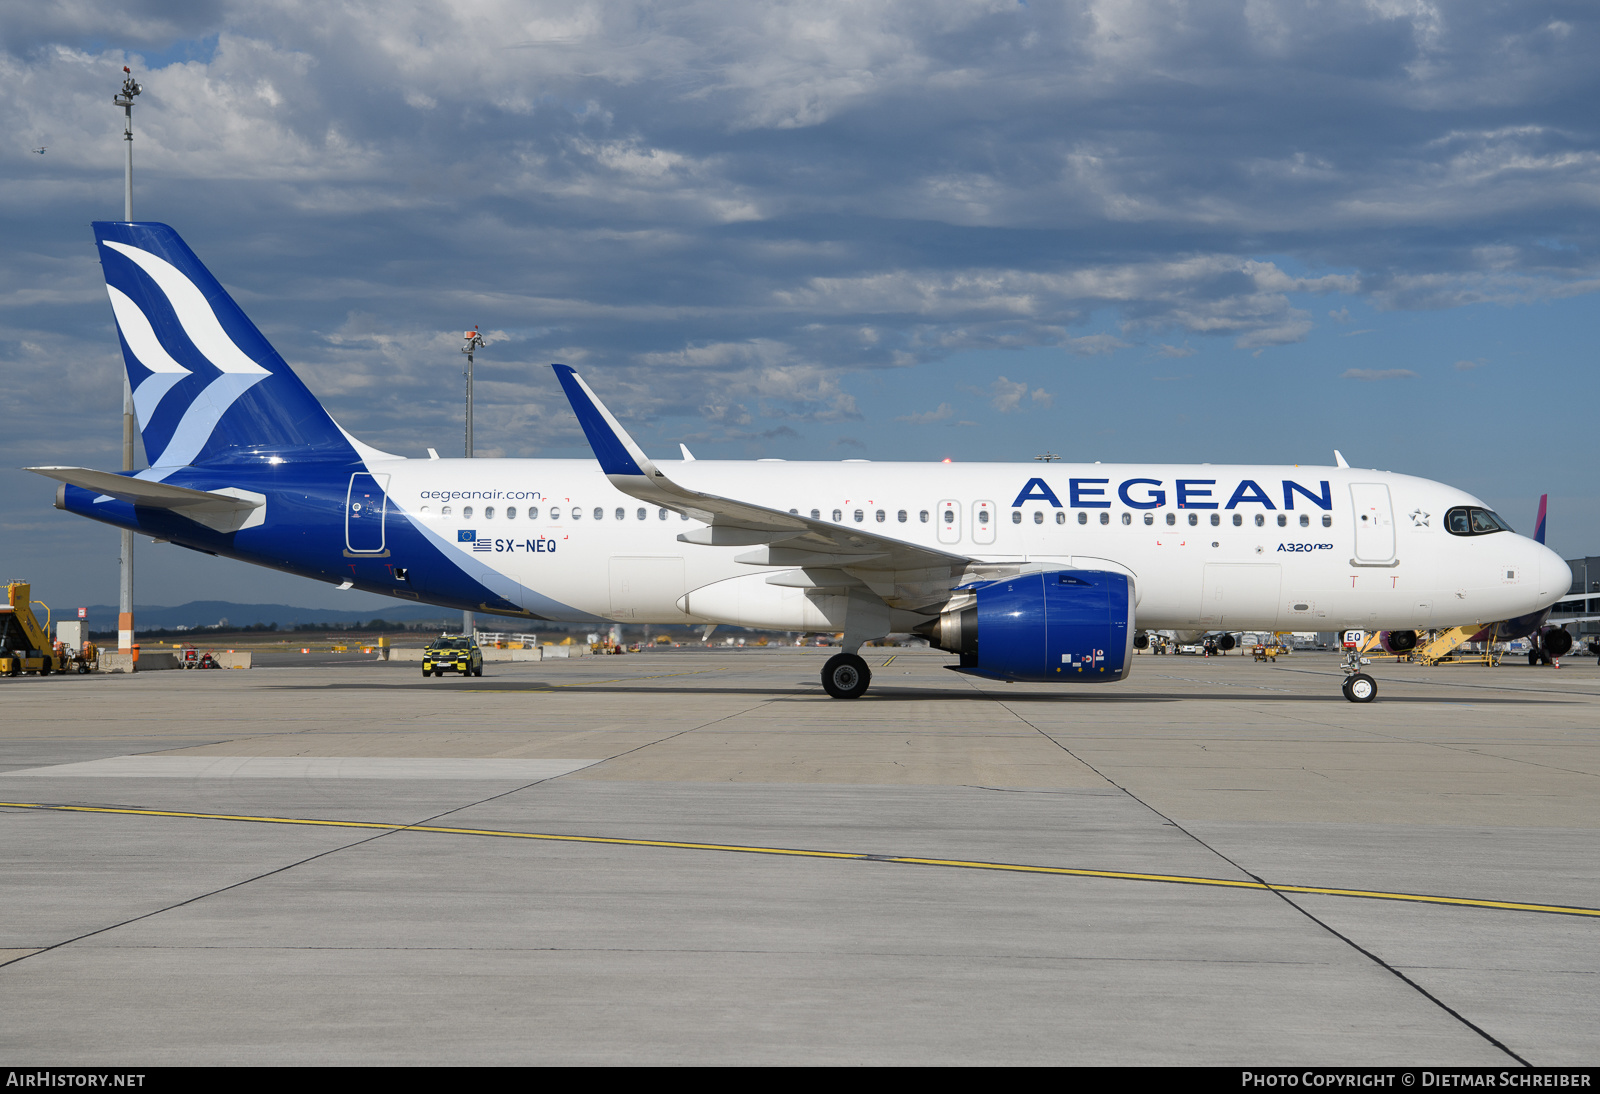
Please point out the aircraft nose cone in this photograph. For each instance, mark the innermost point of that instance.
(1555, 576)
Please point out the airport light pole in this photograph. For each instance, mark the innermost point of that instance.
(130, 88)
(474, 341)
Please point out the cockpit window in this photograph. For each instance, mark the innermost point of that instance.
(1464, 521)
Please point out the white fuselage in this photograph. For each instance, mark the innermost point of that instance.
(1209, 547)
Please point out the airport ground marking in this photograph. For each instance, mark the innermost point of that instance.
(854, 856)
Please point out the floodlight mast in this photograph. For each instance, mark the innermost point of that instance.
(474, 341)
(130, 88)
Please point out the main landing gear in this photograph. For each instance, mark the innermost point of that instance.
(846, 676)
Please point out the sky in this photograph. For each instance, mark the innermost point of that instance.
(1108, 229)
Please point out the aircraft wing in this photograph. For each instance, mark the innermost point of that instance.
(1579, 596)
(222, 512)
(782, 539)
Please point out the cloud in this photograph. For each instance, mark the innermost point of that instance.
(1468, 366)
(1371, 375)
(928, 417)
(1006, 395)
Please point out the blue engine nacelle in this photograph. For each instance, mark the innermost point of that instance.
(1065, 626)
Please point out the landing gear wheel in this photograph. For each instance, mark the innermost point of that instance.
(846, 676)
(1360, 688)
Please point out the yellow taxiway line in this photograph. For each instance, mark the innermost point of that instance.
(795, 852)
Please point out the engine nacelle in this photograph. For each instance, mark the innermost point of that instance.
(1226, 642)
(1557, 641)
(1064, 626)
(1398, 641)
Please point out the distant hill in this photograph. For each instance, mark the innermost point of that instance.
(208, 613)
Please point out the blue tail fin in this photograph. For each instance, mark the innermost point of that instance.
(207, 387)
(1538, 528)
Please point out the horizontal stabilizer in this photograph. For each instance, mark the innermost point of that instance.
(228, 510)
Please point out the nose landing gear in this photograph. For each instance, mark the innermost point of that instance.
(1358, 686)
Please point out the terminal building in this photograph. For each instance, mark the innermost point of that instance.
(1585, 579)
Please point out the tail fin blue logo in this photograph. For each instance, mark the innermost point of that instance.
(207, 386)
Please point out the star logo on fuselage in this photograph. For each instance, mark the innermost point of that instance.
(1419, 519)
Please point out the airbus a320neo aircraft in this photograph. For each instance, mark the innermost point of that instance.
(1028, 572)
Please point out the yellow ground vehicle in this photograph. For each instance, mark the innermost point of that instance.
(452, 653)
(1265, 651)
(24, 645)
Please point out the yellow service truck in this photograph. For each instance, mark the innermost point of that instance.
(24, 645)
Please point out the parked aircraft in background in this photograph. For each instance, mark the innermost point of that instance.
(1027, 572)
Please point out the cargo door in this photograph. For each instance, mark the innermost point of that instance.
(1241, 595)
(366, 505)
(1374, 521)
(646, 589)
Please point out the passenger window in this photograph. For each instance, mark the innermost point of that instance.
(1327, 520)
(1016, 516)
(1283, 520)
(949, 516)
(1216, 519)
(488, 512)
(555, 514)
(1105, 518)
(838, 515)
(858, 516)
(924, 516)
(576, 514)
(983, 516)
(879, 516)
(599, 513)
(1061, 517)
(662, 514)
(1237, 520)
(621, 514)
(1038, 516)
(816, 514)
(444, 510)
(1194, 519)
(1305, 521)
(1149, 518)
(1083, 518)
(466, 512)
(511, 512)
(1172, 518)
(641, 514)
(533, 512)
(1261, 520)
(1127, 518)
(683, 515)
(902, 516)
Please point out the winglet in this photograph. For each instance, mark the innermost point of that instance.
(1538, 527)
(617, 452)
